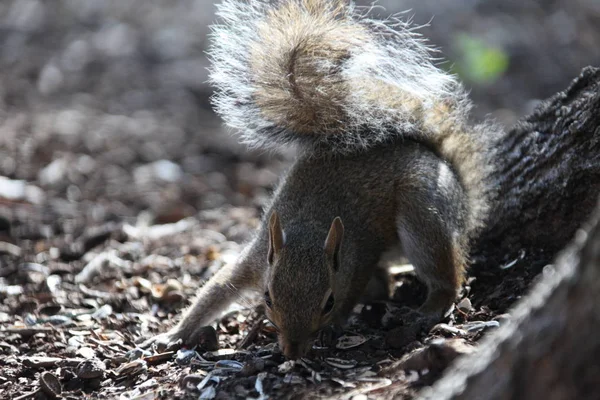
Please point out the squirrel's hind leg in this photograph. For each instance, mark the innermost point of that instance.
(432, 233)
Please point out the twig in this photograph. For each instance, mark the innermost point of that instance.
(252, 334)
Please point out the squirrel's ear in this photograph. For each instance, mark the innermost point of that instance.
(276, 238)
(333, 243)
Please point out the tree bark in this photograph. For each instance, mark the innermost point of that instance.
(549, 185)
(549, 175)
(550, 350)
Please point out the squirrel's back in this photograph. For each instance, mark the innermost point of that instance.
(320, 74)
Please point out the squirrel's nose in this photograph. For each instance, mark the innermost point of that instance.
(294, 349)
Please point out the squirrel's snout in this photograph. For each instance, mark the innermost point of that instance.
(293, 349)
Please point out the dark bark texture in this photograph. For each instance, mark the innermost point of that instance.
(549, 176)
(549, 184)
(551, 349)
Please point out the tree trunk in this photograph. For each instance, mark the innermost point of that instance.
(551, 349)
(549, 184)
(549, 177)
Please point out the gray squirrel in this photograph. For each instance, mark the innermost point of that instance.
(386, 159)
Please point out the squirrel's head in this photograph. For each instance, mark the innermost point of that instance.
(300, 293)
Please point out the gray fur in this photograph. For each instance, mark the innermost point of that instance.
(337, 95)
(385, 147)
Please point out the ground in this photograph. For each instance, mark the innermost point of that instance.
(120, 193)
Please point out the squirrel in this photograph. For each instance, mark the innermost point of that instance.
(386, 159)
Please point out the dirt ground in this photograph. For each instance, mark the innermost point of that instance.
(120, 193)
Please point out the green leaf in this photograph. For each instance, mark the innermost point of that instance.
(479, 63)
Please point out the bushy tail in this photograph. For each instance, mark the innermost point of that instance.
(320, 74)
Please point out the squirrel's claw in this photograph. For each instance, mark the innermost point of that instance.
(202, 336)
(169, 341)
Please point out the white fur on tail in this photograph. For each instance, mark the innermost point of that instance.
(318, 68)
(322, 75)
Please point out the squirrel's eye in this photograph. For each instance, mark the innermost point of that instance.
(268, 299)
(329, 305)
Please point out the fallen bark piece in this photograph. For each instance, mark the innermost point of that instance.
(42, 362)
(26, 331)
(159, 358)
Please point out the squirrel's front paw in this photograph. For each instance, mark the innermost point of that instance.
(169, 341)
(202, 336)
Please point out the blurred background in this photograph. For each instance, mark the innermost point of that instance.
(105, 112)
